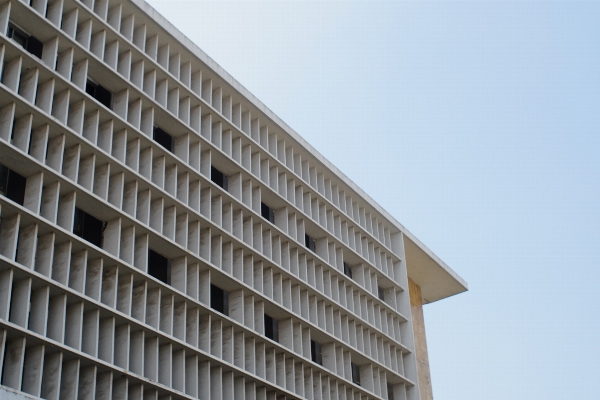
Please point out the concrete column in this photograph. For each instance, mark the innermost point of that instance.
(423, 372)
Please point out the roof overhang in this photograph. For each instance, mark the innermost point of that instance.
(436, 280)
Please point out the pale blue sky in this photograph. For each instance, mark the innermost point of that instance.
(477, 125)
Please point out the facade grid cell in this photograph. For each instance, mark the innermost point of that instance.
(164, 235)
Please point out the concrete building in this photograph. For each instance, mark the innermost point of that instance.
(165, 235)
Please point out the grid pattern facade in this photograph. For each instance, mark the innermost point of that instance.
(162, 237)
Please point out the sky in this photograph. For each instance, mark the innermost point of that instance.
(477, 126)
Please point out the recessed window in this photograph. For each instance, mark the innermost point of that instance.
(267, 213)
(12, 185)
(271, 328)
(315, 352)
(310, 243)
(355, 373)
(88, 227)
(28, 42)
(347, 270)
(390, 390)
(381, 293)
(219, 299)
(100, 93)
(163, 138)
(17, 35)
(218, 177)
(159, 267)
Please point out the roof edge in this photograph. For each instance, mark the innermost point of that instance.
(221, 72)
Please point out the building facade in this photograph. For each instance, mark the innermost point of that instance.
(164, 235)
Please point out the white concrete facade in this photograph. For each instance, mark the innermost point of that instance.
(164, 235)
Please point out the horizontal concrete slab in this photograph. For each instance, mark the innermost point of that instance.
(436, 279)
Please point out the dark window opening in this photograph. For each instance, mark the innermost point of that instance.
(17, 249)
(219, 299)
(271, 328)
(310, 243)
(315, 352)
(219, 178)
(355, 373)
(381, 293)
(347, 270)
(88, 227)
(267, 213)
(159, 267)
(17, 35)
(12, 185)
(29, 43)
(103, 95)
(390, 390)
(163, 138)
